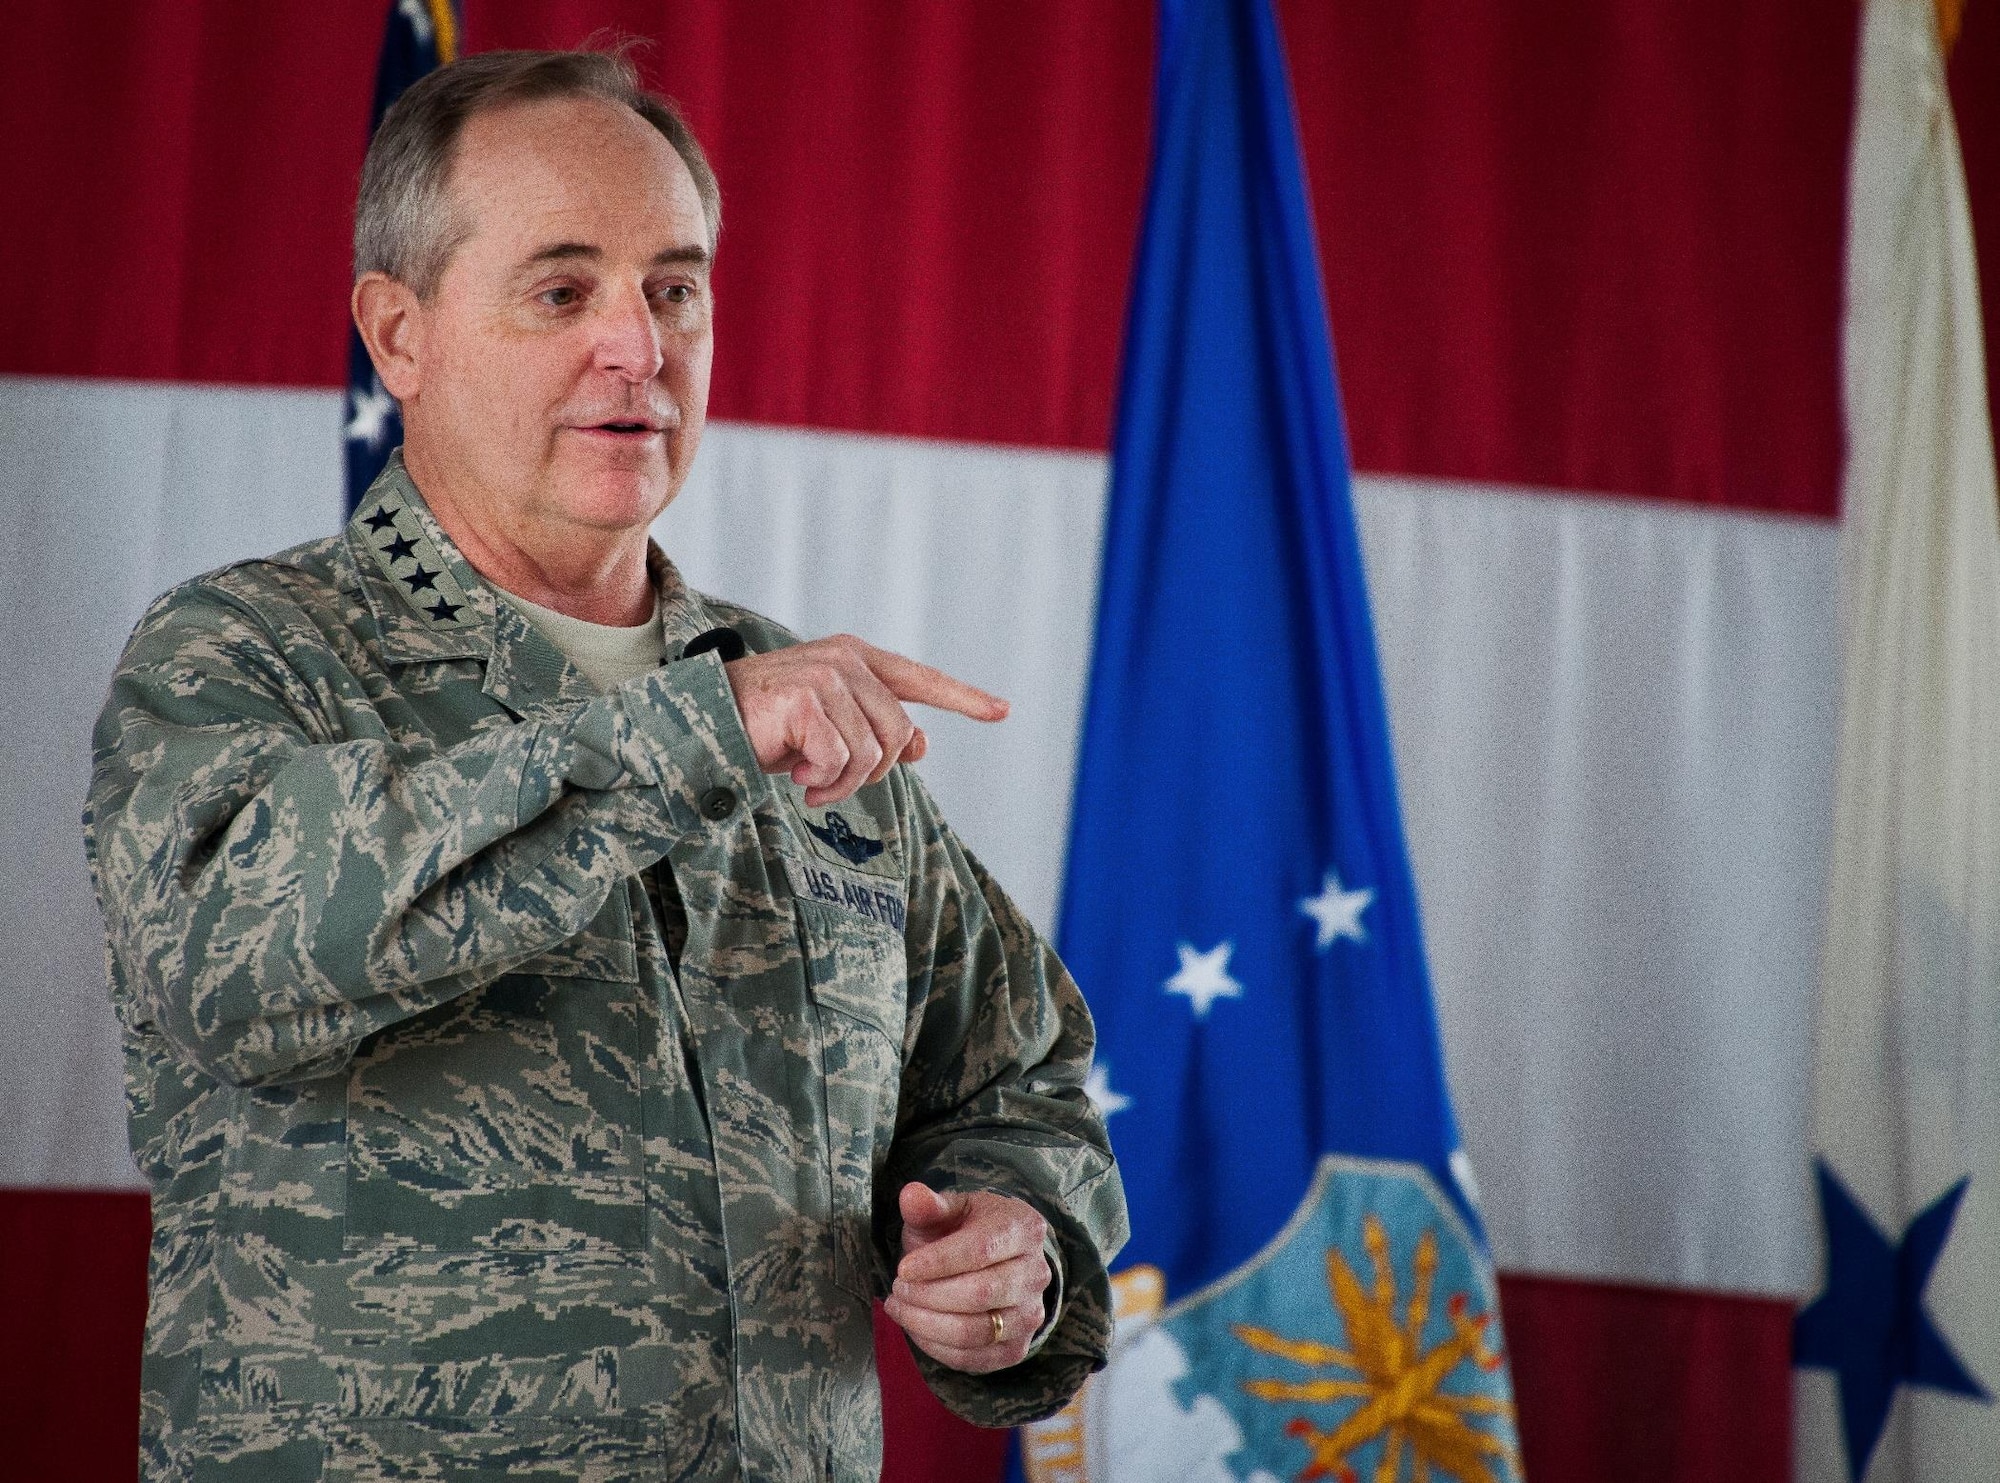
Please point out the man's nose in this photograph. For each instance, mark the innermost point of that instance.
(628, 337)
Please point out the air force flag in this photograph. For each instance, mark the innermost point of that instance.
(420, 35)
(1309, 1294)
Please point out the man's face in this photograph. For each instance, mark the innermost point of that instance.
(565, 353)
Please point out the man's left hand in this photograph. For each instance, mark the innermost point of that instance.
(969, 1287)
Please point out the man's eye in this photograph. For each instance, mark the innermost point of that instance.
(677, 293)
(559, 297)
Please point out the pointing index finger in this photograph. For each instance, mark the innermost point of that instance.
(909, 680)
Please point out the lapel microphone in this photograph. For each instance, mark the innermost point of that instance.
(725, 641)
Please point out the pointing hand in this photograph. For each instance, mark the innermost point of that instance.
(830, 712)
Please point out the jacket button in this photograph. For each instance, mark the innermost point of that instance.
(718, 804)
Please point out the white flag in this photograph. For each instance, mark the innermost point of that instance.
(1899, 1350)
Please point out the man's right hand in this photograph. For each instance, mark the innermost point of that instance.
(830, 712)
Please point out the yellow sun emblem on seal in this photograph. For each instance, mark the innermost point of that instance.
(1398, 1382)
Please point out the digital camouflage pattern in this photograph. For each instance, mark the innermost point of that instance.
(523, 1077)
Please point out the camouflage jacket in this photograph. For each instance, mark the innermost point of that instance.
(522, 1076)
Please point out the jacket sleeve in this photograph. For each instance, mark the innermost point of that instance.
(273, 893)
(993, 1099)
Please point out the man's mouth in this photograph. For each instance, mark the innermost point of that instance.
(626, 428)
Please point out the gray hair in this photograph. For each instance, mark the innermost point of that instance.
(404, 224)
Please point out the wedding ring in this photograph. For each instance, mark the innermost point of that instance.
(999, 1321)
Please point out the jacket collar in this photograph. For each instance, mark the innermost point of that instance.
(429, 602)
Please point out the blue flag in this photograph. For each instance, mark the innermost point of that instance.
(1309, 1292)
(419, 35)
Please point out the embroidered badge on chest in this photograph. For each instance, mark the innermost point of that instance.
(849, 866)
(871, 900)
(844, 840)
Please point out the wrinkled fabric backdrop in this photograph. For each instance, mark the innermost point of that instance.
(1583, 265)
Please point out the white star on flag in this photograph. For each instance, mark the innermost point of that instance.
(418, 14)
(1097, 1087)
(371, 416)
(1204, 977)
(1338, 912)
(1461, 1170)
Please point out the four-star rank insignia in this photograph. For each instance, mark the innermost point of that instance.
(409, 559)
(840, 836)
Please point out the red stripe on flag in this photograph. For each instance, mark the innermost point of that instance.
(72, 1319)
(1641, 1384)
(1975, 96)
(181, 188)
(1649, 1384)
(930, 210)
(921, 1441)
(1591, 248)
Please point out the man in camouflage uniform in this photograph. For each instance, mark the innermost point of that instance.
(537, 1075)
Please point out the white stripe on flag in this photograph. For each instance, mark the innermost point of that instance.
(1612, 721)
(113, 491)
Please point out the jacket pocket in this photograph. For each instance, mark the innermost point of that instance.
(859, 979)
(510, 1118)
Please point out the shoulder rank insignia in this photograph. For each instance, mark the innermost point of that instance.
(395, 539)
(840, 835)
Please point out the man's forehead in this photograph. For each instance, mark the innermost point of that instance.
(550, 174)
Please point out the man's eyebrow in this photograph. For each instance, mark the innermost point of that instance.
(557, 252)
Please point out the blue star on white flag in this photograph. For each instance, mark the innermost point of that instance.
(1204, 977)
(1337, 912)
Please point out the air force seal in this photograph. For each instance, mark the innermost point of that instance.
(1362, 1342)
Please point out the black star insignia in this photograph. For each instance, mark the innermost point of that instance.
(401, 547)
(444, 612)
(383, 519)
(423, 578)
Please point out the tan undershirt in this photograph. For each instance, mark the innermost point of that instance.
(608, 655)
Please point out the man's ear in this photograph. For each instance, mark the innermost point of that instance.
(391, 321)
